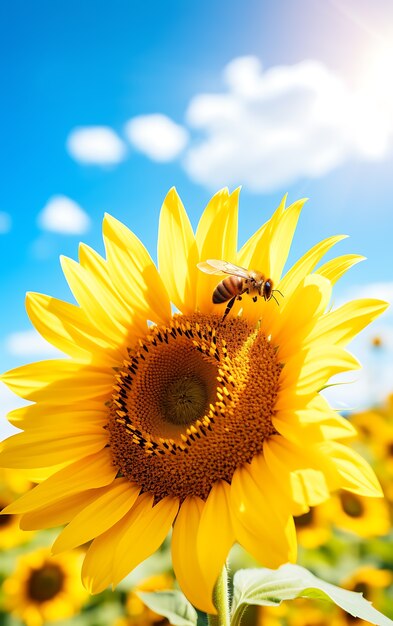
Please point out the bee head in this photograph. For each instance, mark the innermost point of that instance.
(267, 289)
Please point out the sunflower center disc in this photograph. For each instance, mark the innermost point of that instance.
(185, 400)
(45, 583)
(193, 402)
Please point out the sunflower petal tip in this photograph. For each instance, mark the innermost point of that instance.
(64, 260)
(109, 220)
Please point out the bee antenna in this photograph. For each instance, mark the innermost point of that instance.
(274, 298)
(278, 291)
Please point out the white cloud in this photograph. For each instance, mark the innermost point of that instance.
(96, 145)
(272, 127)
(157, 136)
(5, 222)
(63, 215)
(30, 344)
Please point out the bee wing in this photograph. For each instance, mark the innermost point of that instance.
(215, 266)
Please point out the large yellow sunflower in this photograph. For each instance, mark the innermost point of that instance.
(160, 418)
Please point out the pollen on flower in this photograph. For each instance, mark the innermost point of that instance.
(193, 402)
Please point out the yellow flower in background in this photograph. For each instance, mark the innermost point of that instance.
(299, 612)
(266, 615)
(12, 483)
(44, 588)
(305, 612)
(10, 533)
(374, 584)
(138, 614)
(370, 424)
(375, 428)
(314, 528)
(214, 426)
(367, 517)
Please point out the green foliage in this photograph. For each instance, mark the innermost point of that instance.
(265, 587)
(171, 604)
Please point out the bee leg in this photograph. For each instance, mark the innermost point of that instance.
(255, 298)
(239, 298)
(229, 306)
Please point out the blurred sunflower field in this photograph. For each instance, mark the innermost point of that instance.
(346, 541)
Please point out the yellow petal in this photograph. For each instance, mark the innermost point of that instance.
(258, 527)
(98, 267)
(93, 471)
(276, 499)
(254, 253)
(310, 370)
(216, 238)
(295, 275)
(186, 565)
(212, 219)
(298, 315)
(97, 569)
(51, 447)
(281, 239)
(42, 416)
(268, 249)
(214, 541)
(177, 253)
(133, 272)
(59, 512)
(66, 326)
(306, 264)
(342, 324)
(299, 468)
(335, 268)
(49, 380)
(315, 422)
(105, 511)
(353, 472)
(98, 306)
(146, 530)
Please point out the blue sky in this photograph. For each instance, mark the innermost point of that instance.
(270, 67)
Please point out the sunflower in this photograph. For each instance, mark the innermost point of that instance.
(44, 588)
(308, 612)
(11, 485)
(367, 517)
(138, 614)
(165, 414)
(10, 533)
(314, 528)
(375, 428)
(374, 584)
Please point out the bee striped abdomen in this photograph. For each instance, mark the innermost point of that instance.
(227, 289)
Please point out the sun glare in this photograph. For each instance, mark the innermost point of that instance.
(378, 72)
(372, 105)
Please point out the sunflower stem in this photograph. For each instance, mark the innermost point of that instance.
(221, 601)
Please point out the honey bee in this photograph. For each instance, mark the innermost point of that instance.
(239, 282)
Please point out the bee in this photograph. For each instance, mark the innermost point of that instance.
(239, 282)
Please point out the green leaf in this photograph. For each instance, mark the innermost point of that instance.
(172, 605)
(266, 587)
